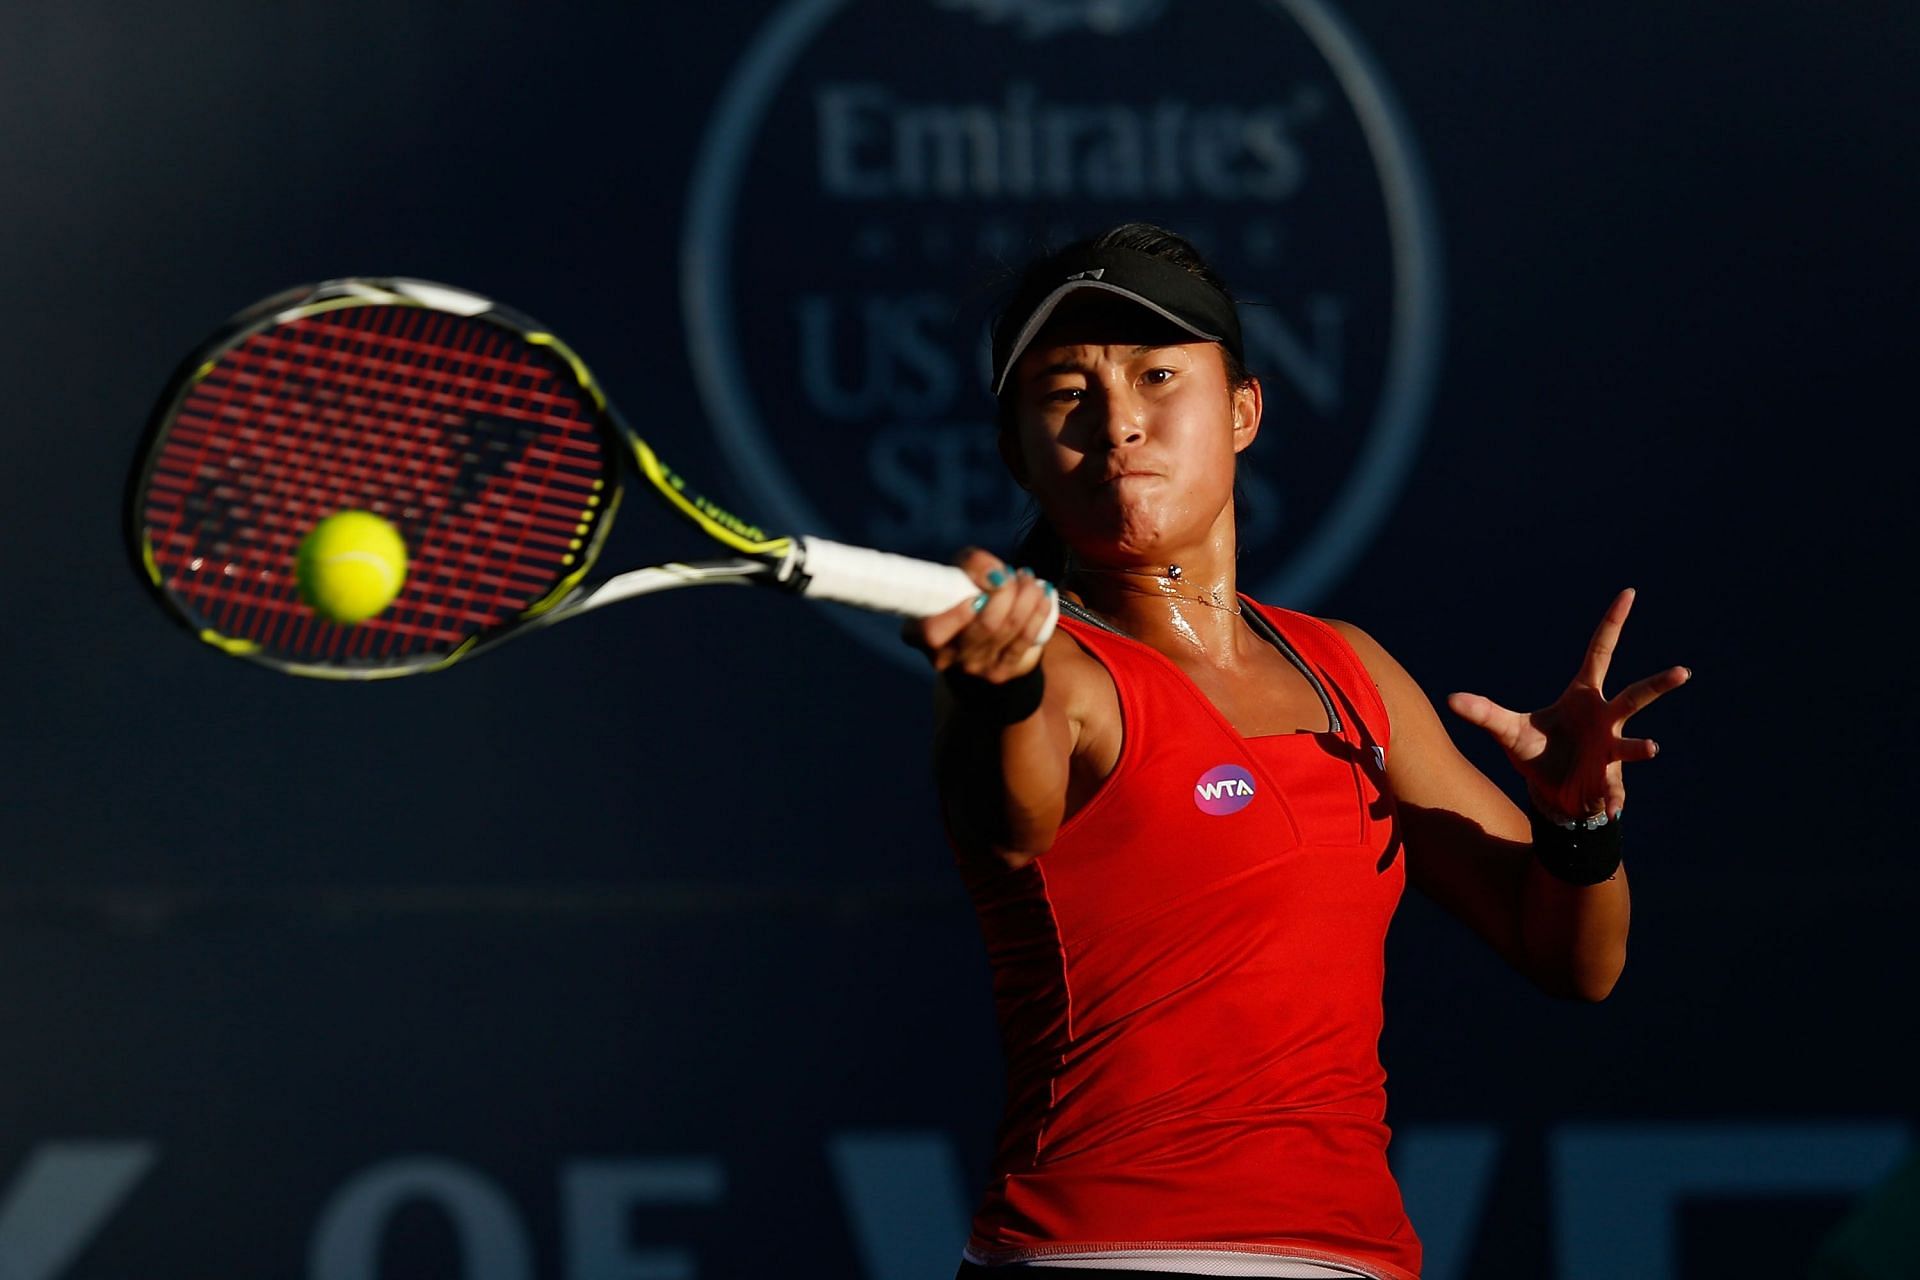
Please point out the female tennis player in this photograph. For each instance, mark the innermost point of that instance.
(1186, 817)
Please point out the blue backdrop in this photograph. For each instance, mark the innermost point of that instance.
(633, 952)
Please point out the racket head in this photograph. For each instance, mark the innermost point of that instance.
(468, 426)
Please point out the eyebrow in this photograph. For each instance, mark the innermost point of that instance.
(1075, 366)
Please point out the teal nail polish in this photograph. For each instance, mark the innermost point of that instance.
(979, 603)
(998, 578)
(1050, 588)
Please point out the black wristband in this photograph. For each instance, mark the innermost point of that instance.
(1578, 854)
(1007, 702)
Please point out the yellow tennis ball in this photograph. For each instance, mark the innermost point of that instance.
(351, 566)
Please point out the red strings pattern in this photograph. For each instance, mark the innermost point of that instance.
(479, 447)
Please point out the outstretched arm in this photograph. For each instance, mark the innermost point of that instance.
(1470, 848)
(1003, 773)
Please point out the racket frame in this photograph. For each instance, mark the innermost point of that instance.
(761, 559)
(809, 566)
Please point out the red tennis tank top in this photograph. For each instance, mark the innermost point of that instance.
(1188, 985)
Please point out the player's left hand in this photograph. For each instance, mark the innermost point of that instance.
(1571, 753)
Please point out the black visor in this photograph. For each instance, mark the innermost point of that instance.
(1164, 288)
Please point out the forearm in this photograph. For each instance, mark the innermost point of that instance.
(1567, 939)
(1573, 938)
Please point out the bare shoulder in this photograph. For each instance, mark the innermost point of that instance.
(1071, 660)
(1085, 688)
(1425, 767)
(1420, 740)
(1389, 677)
(1363, 644)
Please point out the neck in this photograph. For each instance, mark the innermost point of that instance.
(1178, 607)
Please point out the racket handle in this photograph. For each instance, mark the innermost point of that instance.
(887, 583)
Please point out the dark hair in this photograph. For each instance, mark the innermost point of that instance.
(1041, 548)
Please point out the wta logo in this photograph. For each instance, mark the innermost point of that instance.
(855, 217)
(1223, 789)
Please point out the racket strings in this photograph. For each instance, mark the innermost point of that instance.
(477, 446)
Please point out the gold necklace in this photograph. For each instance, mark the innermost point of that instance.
(1166, 590)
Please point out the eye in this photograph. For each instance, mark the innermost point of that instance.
(1157, 376)
(1064, 395)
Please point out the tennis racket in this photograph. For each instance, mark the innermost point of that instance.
(473, 430)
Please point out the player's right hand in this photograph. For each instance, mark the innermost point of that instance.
(998, 635)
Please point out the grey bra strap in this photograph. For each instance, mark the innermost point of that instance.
(1080, 613)
(1266, 631)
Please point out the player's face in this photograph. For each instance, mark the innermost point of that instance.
(1126, 433)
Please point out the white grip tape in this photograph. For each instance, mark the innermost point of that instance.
(888, 583)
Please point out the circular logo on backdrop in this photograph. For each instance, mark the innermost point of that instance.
(1223, 789)
(877, 171)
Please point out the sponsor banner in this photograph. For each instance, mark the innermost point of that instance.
(861, 203)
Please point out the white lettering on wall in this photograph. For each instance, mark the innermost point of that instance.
(874, 146)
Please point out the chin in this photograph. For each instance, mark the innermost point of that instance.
(1121, 543)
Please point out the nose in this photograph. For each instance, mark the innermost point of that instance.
(1125, 421)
